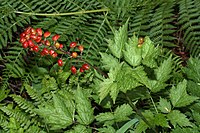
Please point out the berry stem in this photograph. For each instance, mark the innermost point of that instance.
(63, 14)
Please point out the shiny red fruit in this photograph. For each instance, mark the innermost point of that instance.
(28, 30)
(22, 35)
(45, 51)
(32, 36)
(51, 52)
(38, 39)
(61, 46)
(73, 69)
(54, 55)
(85, 66)
(22, 40)
(25, 44)
(33, 31)
(60, 62)
(82, 70)
(72, 44)
(47, 42)
(81, 48)
(39, 31)
(30, 43)
(47, 34)
(55, 37)
(74, 55)
(36, 48)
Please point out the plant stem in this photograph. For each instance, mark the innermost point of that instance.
(63, 14)
(153, 103)
(139, 113)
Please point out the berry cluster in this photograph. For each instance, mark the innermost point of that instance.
(37, 41)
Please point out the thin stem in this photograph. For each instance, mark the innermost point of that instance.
(139, 113)
(153, 103)
(63, 14)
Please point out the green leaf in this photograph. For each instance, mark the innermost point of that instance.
(141, 127)
(108, 129)
(106, 118)
(156, 86)
(109, 84)
(179, 96)
(132, 53)
(193, 69)
(149, 53)
(141, 76)
(79, 129)
(122, 112)
(163, 71)
(108, 61)
(84, 108)
(178, 118)
(164, 106)
(57, 115)
(126, 126)
(48, 84)
(160, 120)
(116, 45)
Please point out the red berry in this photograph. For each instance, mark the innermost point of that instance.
(54, 55)
(25, 44)
(42, 53)
(73, 69)
(30, 43)
(36, 48)
(45, 51)
(47, 34)
(57, 45)
(33, 31)
(28, 30)
(39, 31)
(51, 52)
(22, 35)
(81, 48)
(61, 46)
(60, 62)
(85, 66)
(82, 70)
(32, 36)
(47, 42)
(22, 39)
(55, 37)
(74, 55)
(38, 39)
(27, 36)
(72, 44)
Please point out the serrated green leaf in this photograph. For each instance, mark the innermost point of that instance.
(178, 118)
(193, 88)
(156, 86)
(164, 106)
(186, 130)
(141, 127)
(107, 118)
(84, 109)
(149, 53)
(179, 96)
(122, 112)
(79, 129)
(108, 129)
(163, 71)
(116, 45)
(108, 61)
(141, 76)
(133, 54)
(196, 117)
(160, 120)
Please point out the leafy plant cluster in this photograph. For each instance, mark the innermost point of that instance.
(135, 82)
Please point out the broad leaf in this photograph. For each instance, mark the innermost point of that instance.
(126, 126)
(163, 71)
(149, 53)
(179, 96)
(79, 129)
(122, 112)
(178, 118)
(164, 106)
(57, 115)
(108, 129)
(83, 107)
(156, 86)
(160, 120)
(132, 53)
(116, 45)
(106, 118)
(109, 61)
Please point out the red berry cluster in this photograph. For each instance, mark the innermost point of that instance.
(37, 41)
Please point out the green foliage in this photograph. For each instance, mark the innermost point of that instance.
(130, 87)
